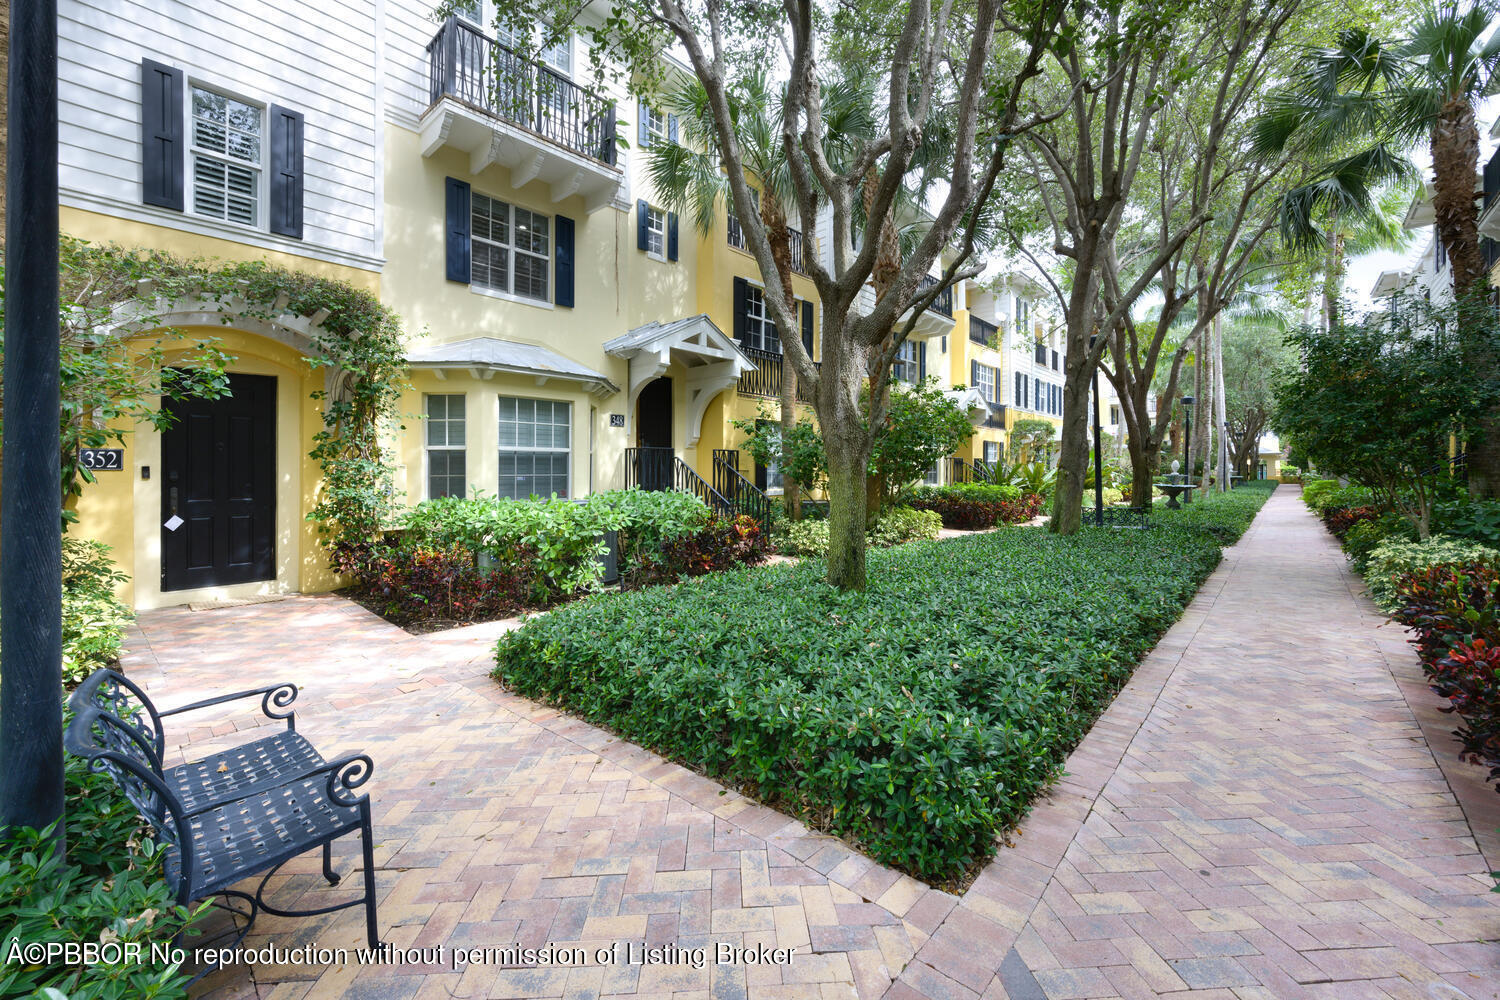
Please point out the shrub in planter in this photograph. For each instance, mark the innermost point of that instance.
(422, 584)
(1396, 558)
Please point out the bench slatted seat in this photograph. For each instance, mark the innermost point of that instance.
(217, 835)
(219, 776)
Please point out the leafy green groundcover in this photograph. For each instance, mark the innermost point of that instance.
(919, 718)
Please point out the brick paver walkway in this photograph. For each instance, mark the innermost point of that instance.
(1257, 815)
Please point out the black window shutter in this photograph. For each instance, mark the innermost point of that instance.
(921, 363)
(807, 327)
(563, 264)
(642, 240)
(162, 148)
(973, 374)
(643, 133)
(671, 128)
(459, 230)
(741, 289)
(286, 172)
(671, 236)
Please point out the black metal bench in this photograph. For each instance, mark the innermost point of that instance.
(234, 814)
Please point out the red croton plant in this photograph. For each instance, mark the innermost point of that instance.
(1454, 613)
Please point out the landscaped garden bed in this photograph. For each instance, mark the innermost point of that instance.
(920, 718)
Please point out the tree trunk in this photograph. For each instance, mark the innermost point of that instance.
(1333, 274)
(1073, 453)
(780, 238)
(883, 274)
(848, 447)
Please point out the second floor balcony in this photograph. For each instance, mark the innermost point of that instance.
(765, 380)
(1489, 211)
(799, 246)
(984, 332)
(937, 319)
(504, 110)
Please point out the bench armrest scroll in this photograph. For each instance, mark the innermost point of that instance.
(278, 696)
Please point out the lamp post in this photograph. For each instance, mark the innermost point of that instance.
(1098, 448)
(1187, 444)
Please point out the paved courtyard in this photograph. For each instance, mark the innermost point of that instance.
(1259, 814)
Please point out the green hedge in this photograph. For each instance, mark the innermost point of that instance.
(919, 718)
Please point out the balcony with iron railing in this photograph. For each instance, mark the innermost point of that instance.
(1489, 213)
(765, 379)
(501, 108)
(983, 332)
(801, 248)
(937, 319)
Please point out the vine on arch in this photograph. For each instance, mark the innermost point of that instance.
(109, 380)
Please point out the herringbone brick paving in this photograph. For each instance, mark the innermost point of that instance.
(1257, 815)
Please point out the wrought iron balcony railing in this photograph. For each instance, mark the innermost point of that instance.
(799, 246)
(983, 332)
(468, 65)
(766, 379)
(944, 302)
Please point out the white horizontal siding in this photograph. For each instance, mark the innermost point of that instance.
(317, 58)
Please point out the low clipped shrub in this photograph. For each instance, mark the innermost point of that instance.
(1363, 538)
(109, 888)
(919, 718)
(903, 524)
(1394, 559)
(446, 584)
(1224, 516)
(977, 506)
(893, 527)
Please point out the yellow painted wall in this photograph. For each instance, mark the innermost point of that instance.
(99, 228)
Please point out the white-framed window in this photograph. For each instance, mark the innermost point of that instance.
(934, 476)
(772, 433)
(473, 11)
(991, 452)
(228, 146)
(656, 233)
(535, 447)
(760, 330)
(511, 248)
(656, 123)
(558, 56)
(1023, 313)
(1114, 415)
(986, 384)
(446, 476)
(905, 367)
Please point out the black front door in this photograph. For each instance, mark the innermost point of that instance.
(218, 487)
(654, 434)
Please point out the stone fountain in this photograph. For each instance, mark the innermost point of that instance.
(1176, 485)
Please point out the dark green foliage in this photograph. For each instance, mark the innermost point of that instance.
(976, 506)
(1364, 536)
(919, 718)
(93, 620)
(721, 544)
(105, 887)
(1478, 520)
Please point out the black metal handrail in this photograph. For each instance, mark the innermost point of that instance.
(944, 301)
(966, 471)
(765, 380)
(730, 483)
(660, 470)
(466, 64)
(799, 246)
(983, 332)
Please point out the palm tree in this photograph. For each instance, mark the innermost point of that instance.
(690, 181)
(1378, 100)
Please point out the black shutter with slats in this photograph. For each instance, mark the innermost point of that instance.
(163, 150)
(671, 236)
(459, 229)
(286, 172)
(563, 263)
(807, 327)
(741, 290)
(643, 132)
(921, 363)
(973, 374)
(642, 233)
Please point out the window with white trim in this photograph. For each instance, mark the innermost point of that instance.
(656, 233)
(771, 433)
(473, 11)
(760, 330)
(656, 123)
(226, 154)
(446, 475)
(986, 383)
(558, 56)
(535, 447)
(511, 248)
(905, 368)
(991, 452)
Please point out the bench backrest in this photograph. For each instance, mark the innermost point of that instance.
(119, 750)
(116, 695)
